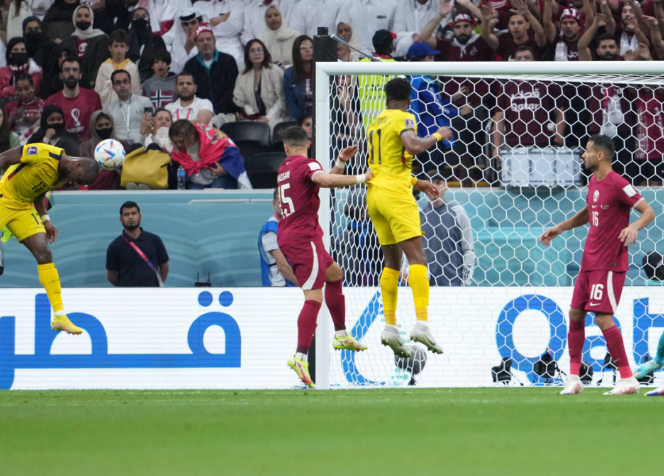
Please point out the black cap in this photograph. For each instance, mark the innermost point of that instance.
(652, 265)
(382, 39)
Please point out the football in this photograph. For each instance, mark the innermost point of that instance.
(109, 154)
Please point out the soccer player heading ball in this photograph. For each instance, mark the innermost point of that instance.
(300, 240)
(605, 260)
(30, 173)
(393, 142)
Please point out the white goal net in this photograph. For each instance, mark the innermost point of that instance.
(513, 169)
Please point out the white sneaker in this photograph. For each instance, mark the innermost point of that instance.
(422, 334)
(625, 386)
(572, 386)
(391, 338)
(659, 392)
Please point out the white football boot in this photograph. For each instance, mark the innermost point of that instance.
(391, 338)
(422, 333)
(572, 386)
(625, 386)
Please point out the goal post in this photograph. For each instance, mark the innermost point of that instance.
(515, 304)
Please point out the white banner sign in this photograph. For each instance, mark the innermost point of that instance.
(204, 338)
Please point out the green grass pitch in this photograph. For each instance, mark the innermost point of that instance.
(488, 432)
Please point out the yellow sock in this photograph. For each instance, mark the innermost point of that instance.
(418, 280)
(49, 278)
(389, 288)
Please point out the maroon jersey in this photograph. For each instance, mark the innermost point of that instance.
(649, 133)
(566, 50)
(609, 203)
(474, 50)
(507, 47)
(298, 195)
(528, 108)
(77, 111)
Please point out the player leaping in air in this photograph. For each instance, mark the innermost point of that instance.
(300, 240)
(31, 172)
(605, 260)
(393, 142)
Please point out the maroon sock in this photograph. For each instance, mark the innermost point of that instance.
(306, 325)
(336, 303)
(616, 346)
(575, 339)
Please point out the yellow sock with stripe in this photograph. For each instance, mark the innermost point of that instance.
(49, 278)
(389, 289)
(418, 280)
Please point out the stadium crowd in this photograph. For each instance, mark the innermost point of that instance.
(75, 73)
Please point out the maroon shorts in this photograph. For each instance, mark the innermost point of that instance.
(309, 260)
(598, 291)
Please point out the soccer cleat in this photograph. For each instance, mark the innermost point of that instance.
(423, 335)
(644, 369)
(659, 392)
(62, 323)
(302, 370)
(625, 386)
(572, 386)
(391, 338)
(348, 343)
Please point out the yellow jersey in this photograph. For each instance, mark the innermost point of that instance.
(389, 161)
(371, 92)
(36, 174)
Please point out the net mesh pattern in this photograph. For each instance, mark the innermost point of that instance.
(513, 169)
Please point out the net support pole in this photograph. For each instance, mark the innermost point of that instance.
(325, 50)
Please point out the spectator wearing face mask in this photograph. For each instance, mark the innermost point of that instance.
(58, 17)
(52, 131)
(90, 43)
(17, 63)
(25, 112)
(143, 43)
(38, 45)
(101, 127)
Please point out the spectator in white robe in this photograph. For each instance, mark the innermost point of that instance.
(163, 13)
(254, 16)
(410, 18)
(180, 40)
(226, 17)
(279, 38)
(308, 15)
(366, 17)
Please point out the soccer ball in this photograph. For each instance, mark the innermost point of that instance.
(413, 364)
(110, 154)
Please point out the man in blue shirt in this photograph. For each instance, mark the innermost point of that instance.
(426, 104)
(274, 267)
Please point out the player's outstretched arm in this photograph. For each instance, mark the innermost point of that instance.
(333, 180)
(10, 157)
(416, 145)
(580, 219)
(344, 156)
(628, 235)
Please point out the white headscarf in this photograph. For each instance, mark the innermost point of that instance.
(89, 32)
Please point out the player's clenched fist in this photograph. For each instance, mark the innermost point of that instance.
(550, 234)
(446, 132)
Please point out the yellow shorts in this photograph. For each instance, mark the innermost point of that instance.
(395, 218)
(22, 222)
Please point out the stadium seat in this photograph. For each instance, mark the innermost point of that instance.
(262, 169)
(277, 144)
(248, 131)
(249, 148)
